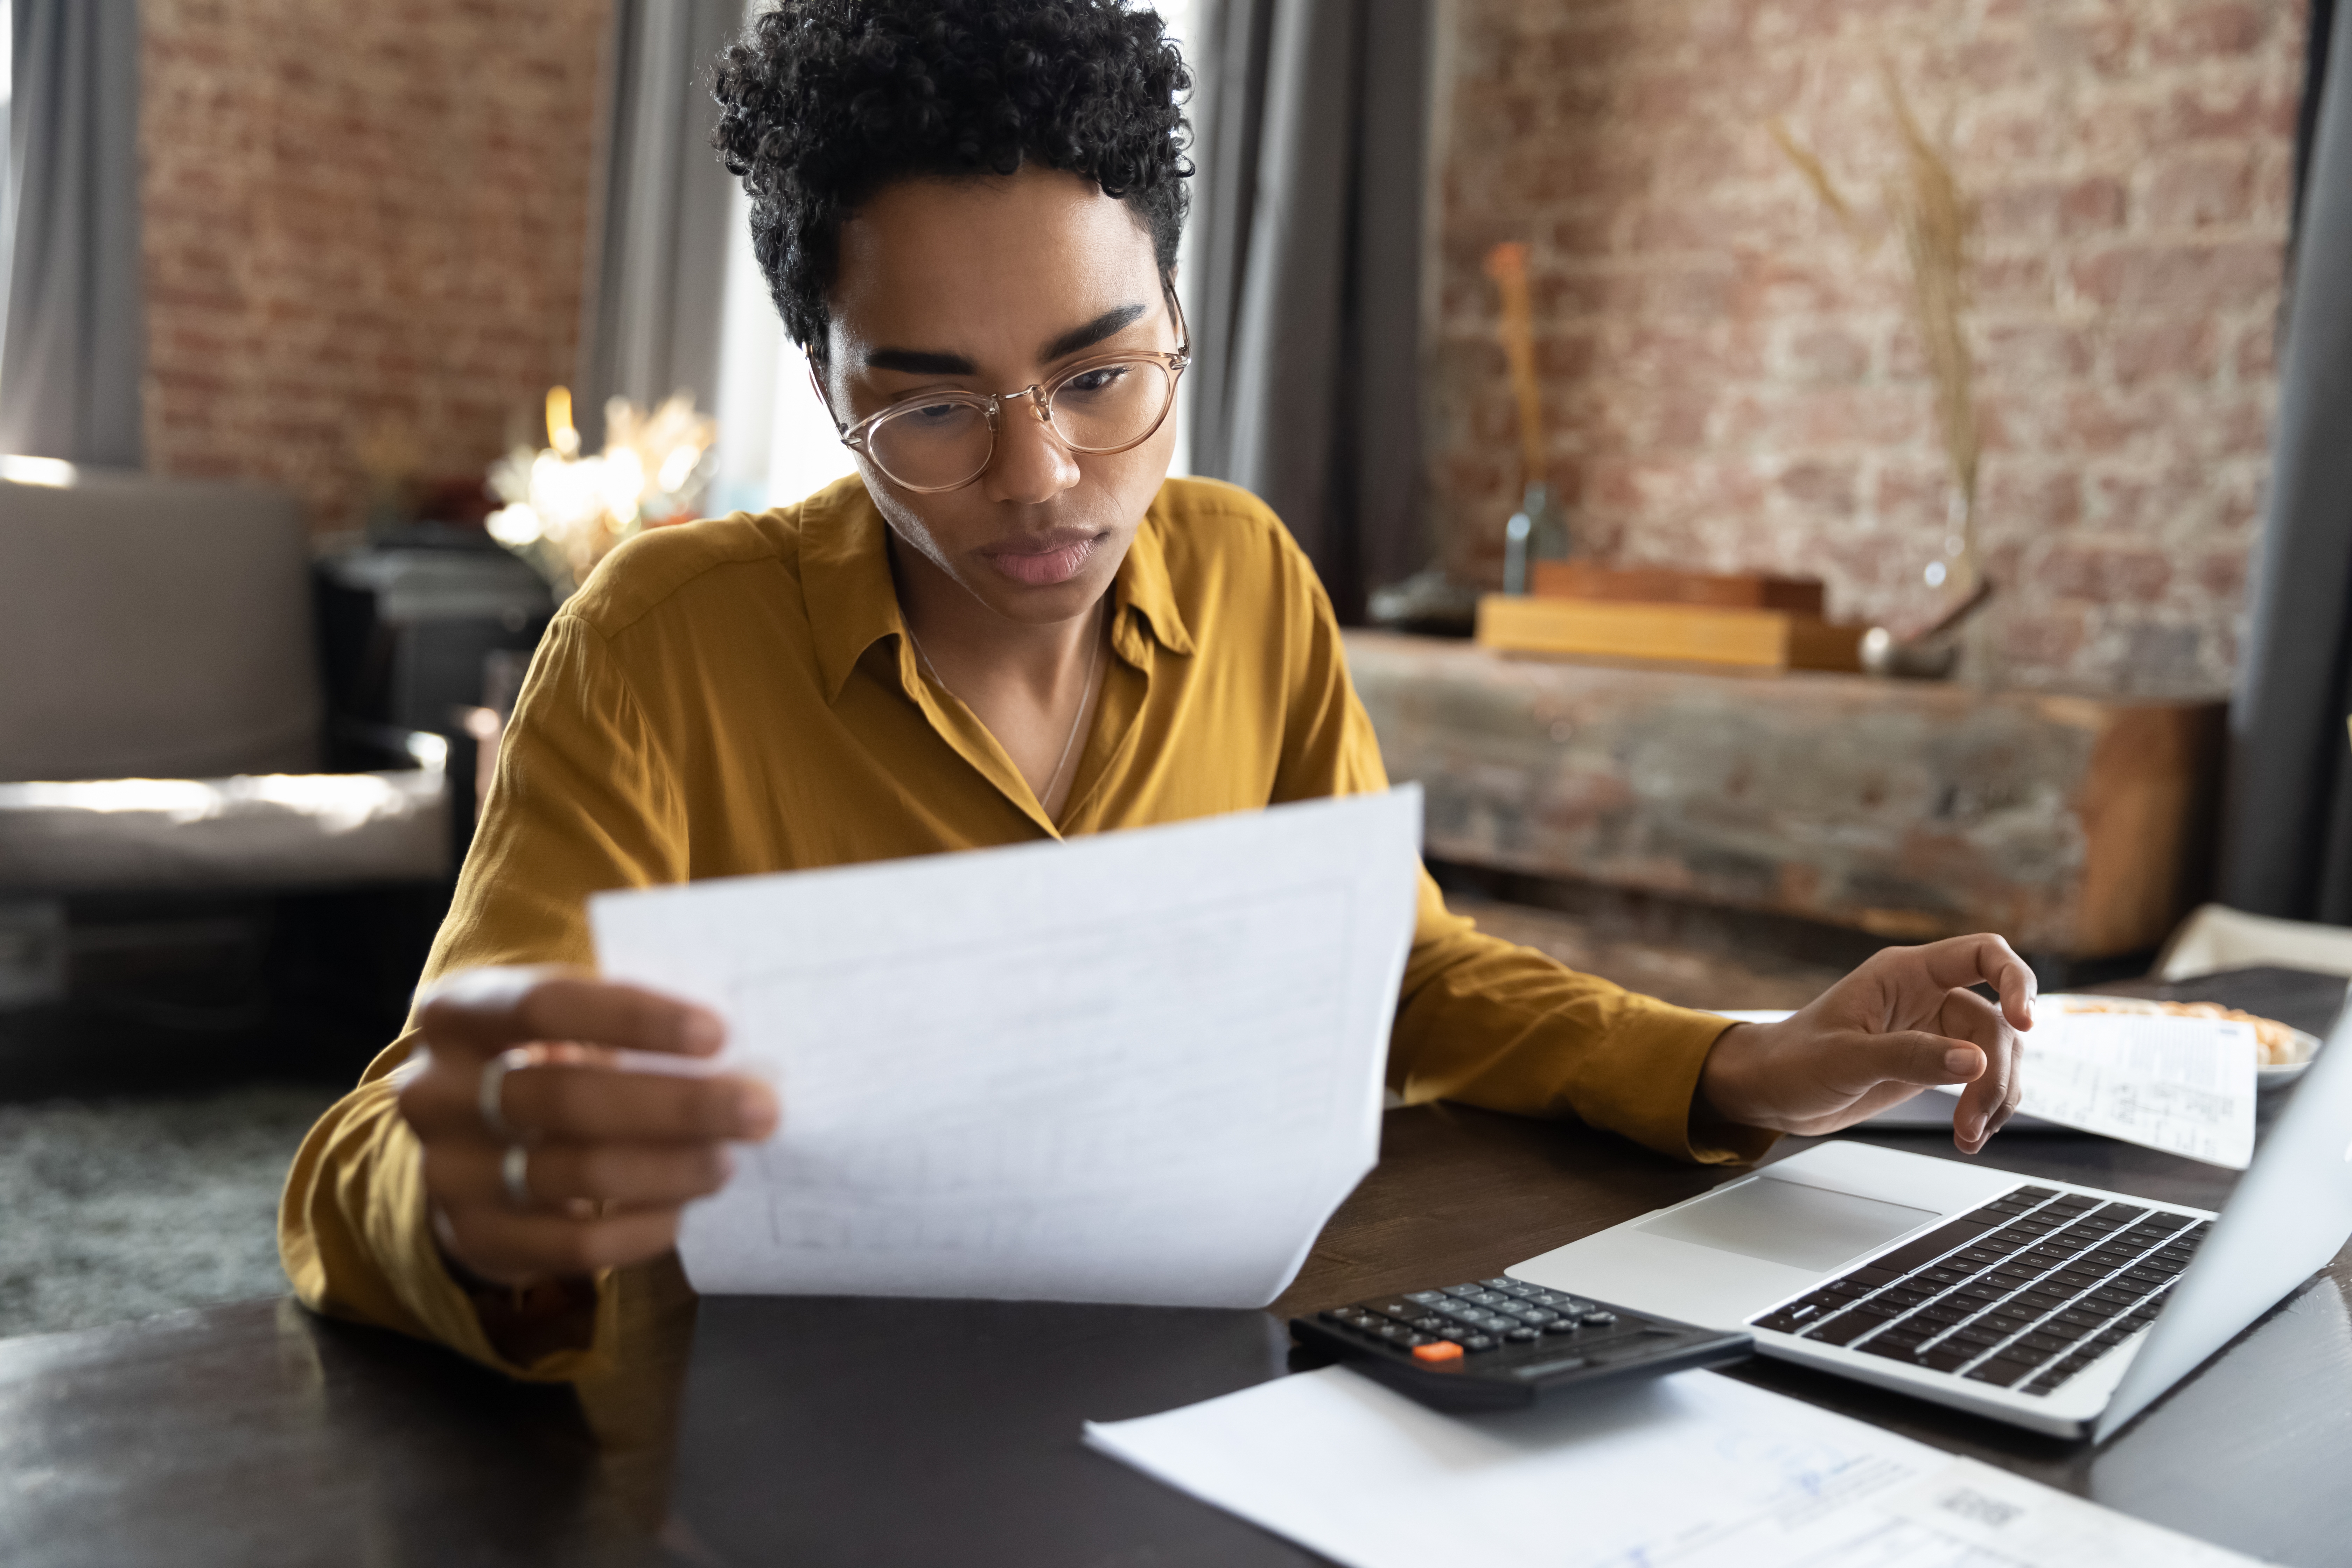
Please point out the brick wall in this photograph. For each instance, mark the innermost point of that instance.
(363, 232)
(1731, 384)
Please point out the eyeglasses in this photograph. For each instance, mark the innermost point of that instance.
(936, 441)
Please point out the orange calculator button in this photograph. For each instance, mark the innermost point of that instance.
(1443, 1349)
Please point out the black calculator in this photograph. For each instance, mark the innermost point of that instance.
(1502, 1344)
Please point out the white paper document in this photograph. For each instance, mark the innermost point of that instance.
(1690, 1471)
(2182, 1085)
(1140, 1067)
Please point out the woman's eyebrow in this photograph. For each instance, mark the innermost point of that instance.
(1108, 324)
(919, 362)
(931, 361)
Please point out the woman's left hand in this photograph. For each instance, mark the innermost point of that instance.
(1906, 1019)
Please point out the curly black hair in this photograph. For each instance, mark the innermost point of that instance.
(824, 103)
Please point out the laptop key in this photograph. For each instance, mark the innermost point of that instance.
(1842, 1329)
(1927, 1249)
(1999, 1372)
(1891, 1350)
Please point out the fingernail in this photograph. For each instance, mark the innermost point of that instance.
(703, 1032)
(1960, 1059)
(755, 1110)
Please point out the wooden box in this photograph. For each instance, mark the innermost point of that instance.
(1661, 585)
(1689, 633)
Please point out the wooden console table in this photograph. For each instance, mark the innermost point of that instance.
(2074, 826)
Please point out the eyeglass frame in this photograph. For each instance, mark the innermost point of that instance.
(1040, 394)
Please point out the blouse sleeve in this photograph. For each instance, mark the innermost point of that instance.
(1480, 1020)
(582, 802)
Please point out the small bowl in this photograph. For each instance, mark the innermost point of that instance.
(2305, 1047)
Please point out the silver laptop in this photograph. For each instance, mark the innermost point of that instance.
(2059, 1308)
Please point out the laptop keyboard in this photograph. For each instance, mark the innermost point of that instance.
(2022, 1293)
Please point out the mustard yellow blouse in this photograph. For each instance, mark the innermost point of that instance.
(738, 696)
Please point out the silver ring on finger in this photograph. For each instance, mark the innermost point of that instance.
(489, 1095)
(514, 1170)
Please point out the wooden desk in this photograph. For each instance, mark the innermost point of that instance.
(842, 1432)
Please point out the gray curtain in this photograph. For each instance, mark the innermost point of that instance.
(2286, 845)
(1311, 124)
(657, 256)
(75, 345)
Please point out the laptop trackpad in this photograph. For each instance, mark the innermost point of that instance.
(1783, 1222)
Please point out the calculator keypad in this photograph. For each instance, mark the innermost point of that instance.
(1481, 1315)
(1500, 1345)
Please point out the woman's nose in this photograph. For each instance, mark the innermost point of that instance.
(1030, 465)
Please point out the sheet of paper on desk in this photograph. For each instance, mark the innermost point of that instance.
(2182, 1085)
(1142, 1067)
(1690, 1471)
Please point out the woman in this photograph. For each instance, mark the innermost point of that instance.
(1011, 626)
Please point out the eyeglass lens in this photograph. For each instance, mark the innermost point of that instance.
(1104, 409)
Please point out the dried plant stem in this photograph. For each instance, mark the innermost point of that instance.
(1937, 222)
(1817, 176)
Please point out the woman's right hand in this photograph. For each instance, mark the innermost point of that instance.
(579, 1165)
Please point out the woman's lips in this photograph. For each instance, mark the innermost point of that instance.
(1042, 568)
